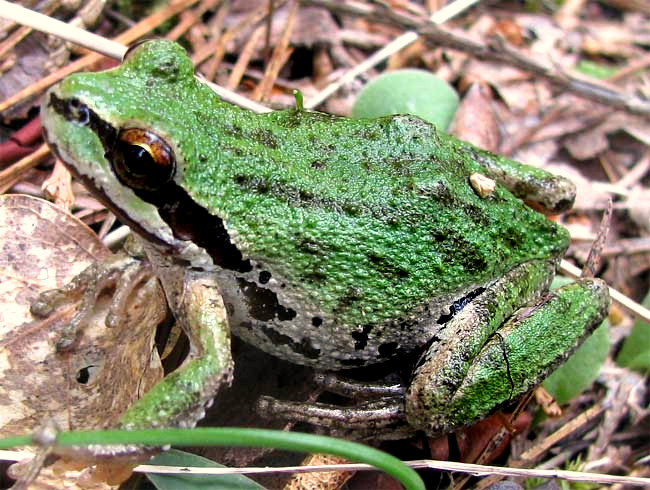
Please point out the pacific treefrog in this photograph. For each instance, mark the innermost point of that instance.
(326, 241)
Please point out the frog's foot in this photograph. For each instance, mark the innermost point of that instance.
(380, 414)
(122, 272)
(462, 379)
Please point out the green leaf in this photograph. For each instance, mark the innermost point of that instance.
(595, 70)
(635, 352)
(174, 457)
(581, 369)
(415, 92)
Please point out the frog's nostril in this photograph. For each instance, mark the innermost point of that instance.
(78, 112)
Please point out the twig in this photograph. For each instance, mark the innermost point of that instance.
(496, 50)
(67, 32)
(237, 72)
(217, 51)
(638, 310)
(473, 469)
(593, 259)
(54, 26)
(19, 34)
(10, 175)
(280, 55)
(442, 15)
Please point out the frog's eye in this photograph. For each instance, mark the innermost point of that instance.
(142, 160)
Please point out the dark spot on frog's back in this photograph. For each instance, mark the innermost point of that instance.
(387, 268)
(232, 130)
(354, 362)
(361, 338)
(263, 303)
(370, 132)
(387, 349)
(435, 190)
(351, 296)
(312, 246)
(264, 277)
(259, 185)
(477, 215)
(168, 68)
(448, 243)
(514, 238)
(264, 137)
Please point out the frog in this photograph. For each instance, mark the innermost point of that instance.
(326, 241)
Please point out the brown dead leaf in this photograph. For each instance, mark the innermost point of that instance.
(592, 142)
(93, 384)
(475, 121)
(619, 40)
(640, 211)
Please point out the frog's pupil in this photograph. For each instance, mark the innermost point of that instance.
(138, 160)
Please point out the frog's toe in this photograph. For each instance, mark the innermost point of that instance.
(123, 273)
(374, 419)
(379, 415)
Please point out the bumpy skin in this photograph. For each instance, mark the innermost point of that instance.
(334, 242)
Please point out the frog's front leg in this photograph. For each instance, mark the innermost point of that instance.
(181, 397)
(474, 368)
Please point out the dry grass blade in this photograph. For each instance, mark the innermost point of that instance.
(635, 308)
(10, 175)
(280, 56)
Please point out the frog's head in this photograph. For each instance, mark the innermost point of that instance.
(110, 129)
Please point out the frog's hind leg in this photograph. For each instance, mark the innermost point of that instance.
(485, 356)
(473, 368)
(459, 341)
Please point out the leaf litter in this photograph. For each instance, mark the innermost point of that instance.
(555, 116)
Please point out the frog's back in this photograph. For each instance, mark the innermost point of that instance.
(356, 237)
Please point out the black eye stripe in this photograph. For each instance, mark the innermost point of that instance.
(187, 219)
(77, 112)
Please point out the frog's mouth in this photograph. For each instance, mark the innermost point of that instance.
(181, 216)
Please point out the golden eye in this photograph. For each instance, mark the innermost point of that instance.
(142, 160)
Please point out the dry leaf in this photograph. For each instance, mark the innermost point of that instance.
(90, 386)
(475, 121)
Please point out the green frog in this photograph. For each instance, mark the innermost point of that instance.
(326, 241)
